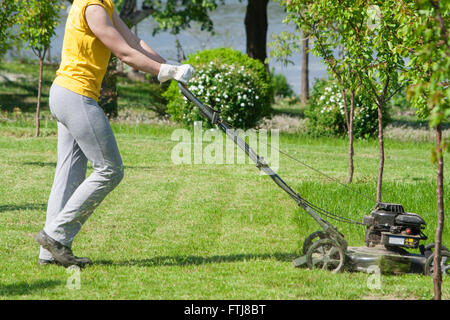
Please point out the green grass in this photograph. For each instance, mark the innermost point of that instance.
(289, 106)
(196, 231)
(204, 231)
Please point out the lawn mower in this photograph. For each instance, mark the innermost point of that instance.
(390, 231)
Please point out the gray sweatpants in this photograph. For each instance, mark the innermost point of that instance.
(83, 134)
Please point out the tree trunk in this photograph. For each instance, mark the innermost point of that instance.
(351, 150)
(180, 52)
(256, 29)
(108, 92)
(381, 146)
(49, 58)
(305, 70)
(437, 274)
(38, 106)
(349, 115)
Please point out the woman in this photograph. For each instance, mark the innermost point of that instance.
(93, 31)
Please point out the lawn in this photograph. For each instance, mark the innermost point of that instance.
(205, 231)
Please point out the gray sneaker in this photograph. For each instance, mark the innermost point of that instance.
(44, 262)
(61, 254)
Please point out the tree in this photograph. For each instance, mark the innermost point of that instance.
(37, 21)
(425, 44)
(333, 42)
(8, 15)
(284, 45)
(381, 77)
(367, 62)
(305, 69)
(256, 25)
(414, 30)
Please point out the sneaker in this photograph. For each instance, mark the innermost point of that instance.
(44, 262)
(61, 254)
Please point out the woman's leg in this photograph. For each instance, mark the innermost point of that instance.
(70, 173)
(87, 124)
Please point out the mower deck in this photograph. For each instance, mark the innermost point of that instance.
(363, 258)
(369, 259)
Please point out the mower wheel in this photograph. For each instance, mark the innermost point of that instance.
(326, 254)
(312, 238)
(429, 249)
(445, 264)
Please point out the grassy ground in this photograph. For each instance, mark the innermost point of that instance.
(204, 231)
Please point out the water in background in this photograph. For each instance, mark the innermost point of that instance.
(229, 32)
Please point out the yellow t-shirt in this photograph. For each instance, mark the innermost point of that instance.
(84, 57)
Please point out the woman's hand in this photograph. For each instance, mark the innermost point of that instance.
(180, 73)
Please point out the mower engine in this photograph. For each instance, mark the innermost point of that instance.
(389, 225)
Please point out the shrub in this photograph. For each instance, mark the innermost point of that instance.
(400, 102)
(281, 87)
(228, 81)
(326, 115)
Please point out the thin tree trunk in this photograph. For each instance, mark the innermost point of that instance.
(180, 52)
(349, 115)
(49, 58)
(437, 275)
(256, 29)
(381, 147)
(305, 70)
(38, 106)
(351, 150)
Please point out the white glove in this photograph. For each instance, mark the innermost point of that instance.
(180, 73)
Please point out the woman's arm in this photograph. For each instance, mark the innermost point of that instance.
(129, 49)
(134, 41)
(100, 24)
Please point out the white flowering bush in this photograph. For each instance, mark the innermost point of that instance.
(326, 114)
(228, 81)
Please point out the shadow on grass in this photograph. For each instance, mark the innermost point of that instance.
(22, 288)
(296, 113)
(197, 260)
(39, 164)
(21, 207)
(24, 95)
(416, 124)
